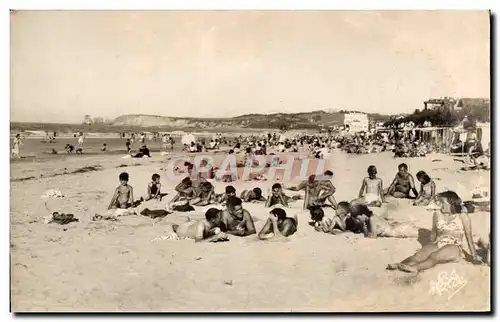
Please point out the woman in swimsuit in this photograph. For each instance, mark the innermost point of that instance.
(451, 224)
(402, 184)
(427, 189)
(375, 226)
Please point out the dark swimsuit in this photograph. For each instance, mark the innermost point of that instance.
(403, 184)
(154, 189)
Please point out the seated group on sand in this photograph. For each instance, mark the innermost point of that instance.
(451, 222)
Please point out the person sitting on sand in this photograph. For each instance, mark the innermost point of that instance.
(205, 195)
(104, 147)
(230, 191)
(143, 152)
(371, 192)
(124, 194)
(450, 225)
(207, 229)
(427, 189)
(375, 226)
(185, 191)
(237, 220)
(278, 197)
(254, 195)
(402, 184)
(279, 225)
(69, 148)
(154, 188)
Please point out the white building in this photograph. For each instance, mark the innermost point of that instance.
(357, 122)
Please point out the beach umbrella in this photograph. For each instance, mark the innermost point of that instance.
(188, 138)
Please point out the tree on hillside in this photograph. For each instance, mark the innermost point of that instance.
(87, 119)
(98, 120)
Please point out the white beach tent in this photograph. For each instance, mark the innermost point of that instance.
(188, 138)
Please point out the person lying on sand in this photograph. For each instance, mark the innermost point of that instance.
(69, 148)
(205, 195)
(237, 220)
(375, 226)
(427, 189)
(254, 195)
(402, 184)
(371, 192)
(329, 220)
(278, 225)
(206, 230)
(124, 194)
(230, 191)
(450, 225)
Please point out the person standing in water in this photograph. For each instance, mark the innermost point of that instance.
(80, 140)
(15, 147)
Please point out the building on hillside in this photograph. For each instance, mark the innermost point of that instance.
(357, 122)
(446, 104)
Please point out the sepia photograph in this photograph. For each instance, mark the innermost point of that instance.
(250, 161)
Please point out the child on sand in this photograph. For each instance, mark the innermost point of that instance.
(124, 194)
(339, 222)
(278, 197)
(205, 195)
(104, 147)
(375, 226)
(185, 191)
(154, 188)
(427, 189)
(207, 229)
(254, 195)
(371, 192)
(237, 220)
(279, 225)
(230, 191)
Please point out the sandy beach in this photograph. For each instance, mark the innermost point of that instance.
(125, 266)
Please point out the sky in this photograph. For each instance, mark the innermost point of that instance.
(66, 64)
